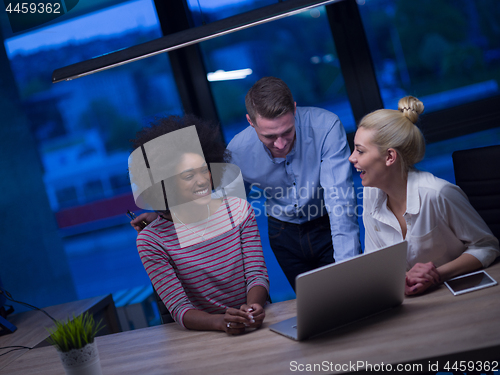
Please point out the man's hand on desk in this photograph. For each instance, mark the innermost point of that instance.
(420, 277)
(147, 217)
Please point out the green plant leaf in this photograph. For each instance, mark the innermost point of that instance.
(75, 333)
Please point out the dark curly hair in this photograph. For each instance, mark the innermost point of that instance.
(211, 140)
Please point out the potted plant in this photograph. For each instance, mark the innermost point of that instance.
(74, 340)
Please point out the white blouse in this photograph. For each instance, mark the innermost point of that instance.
(441, 223)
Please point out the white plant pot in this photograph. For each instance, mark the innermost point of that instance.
(84, 361)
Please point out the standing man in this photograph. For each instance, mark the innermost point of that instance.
(299, 158)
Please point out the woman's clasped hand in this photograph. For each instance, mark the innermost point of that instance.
(236, 321)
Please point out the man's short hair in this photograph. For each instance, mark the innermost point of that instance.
(269, 98)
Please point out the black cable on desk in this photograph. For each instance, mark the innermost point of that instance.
(13, 347)
(9, 297)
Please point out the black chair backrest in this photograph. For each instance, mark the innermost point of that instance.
(477, 174)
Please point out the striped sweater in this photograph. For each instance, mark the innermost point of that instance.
(210, 275)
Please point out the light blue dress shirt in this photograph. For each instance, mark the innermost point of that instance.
(314, 179)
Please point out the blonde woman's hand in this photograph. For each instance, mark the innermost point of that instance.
(420, 277)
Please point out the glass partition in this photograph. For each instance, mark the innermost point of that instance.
(298, 49)
(444, 52)
(83, 127)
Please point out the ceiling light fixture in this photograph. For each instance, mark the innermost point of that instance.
(186, 38)
(222, 75)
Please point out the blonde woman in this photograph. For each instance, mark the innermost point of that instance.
(446, 236)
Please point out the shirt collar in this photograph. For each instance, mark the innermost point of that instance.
(268, 152)
(412, 196)
(380, 200)
(380, 211)
(297, 137)
(294, 147)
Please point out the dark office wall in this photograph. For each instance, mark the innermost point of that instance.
(30, 244)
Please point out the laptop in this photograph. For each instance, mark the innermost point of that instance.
(341, 293)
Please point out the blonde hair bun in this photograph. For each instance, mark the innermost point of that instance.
(411, 107)
(397, 129)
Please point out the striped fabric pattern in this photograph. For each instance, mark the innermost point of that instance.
(212, 275)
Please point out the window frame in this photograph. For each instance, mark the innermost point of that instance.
(357, 68)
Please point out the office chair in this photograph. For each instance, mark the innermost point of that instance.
(164, 313)
(477, 176)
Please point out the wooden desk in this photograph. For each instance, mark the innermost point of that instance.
(31, 325)
(434, 327)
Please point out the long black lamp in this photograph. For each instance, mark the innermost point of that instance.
(186, 38)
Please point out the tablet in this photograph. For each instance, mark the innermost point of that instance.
(468, 283)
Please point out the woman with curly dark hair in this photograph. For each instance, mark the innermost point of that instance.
(202, 252)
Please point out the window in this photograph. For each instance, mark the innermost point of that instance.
(438, 158)
(120, 183)
(67, 197)
(444, 52)
(206, 11)
(83, 129)
(93, 190)
(306, 61)
(298, 49)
